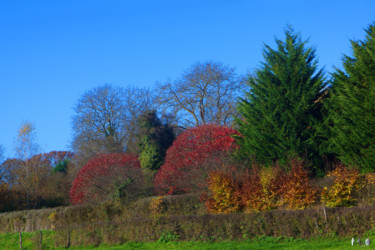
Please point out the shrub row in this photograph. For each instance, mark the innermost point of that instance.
(74, 216)
(114, 223)
(263, 189)
(309, 223)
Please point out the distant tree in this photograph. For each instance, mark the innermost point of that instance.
(107, 176)
(5, 193)
(28, 172)
(9, 170)
(26, 146)
(48, 187)
(56, 161)
(10, 196)
(206, 93)
(106, 119)
(4, 196)
(55, 186)
(183, 169)
(31, 178)
(280, 115)
(155, 139)
(352, 106)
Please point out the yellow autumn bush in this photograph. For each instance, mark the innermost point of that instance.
(224, 193)
(345, 182)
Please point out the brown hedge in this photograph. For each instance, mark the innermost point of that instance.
(112, 222)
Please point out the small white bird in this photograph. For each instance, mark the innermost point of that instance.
(353, 241)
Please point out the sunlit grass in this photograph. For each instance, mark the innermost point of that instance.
(30, 241)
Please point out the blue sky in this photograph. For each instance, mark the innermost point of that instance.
(51, 52)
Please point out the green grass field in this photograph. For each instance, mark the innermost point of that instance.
(31, 241)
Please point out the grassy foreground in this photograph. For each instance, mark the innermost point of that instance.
(32, 241)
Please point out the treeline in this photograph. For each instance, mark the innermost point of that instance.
(210, 129)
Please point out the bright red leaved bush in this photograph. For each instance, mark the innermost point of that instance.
(183, 165)
(107, 176)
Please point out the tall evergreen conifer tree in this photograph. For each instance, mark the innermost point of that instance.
(281, 112)
(352, 106)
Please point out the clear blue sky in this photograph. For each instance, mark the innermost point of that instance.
(51, 52)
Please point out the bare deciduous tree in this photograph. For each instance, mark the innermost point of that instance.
(206, 93)
(105, 119)
(28, 173)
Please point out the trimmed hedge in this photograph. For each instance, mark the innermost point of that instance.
(309, 223)
(74, 216)
(113, 222)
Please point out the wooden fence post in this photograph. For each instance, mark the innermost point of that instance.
(20, 235)
(40, 239)
(68, 240)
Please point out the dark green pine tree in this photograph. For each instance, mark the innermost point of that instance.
(352, 106)
(280, 115)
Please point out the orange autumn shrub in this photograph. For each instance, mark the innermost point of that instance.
(252, 192)
(272, 179)
(224, 193)
(261, 189)
(345, 183)
(297, 192)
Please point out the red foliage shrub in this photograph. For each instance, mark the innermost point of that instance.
(107, 176)
(182, 165)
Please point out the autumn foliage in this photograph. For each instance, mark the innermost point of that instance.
(345, 183)
(182, 170)
(260, 189)
(107, 176)
(224, 190)
(297, 191)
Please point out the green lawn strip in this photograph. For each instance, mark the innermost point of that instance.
(29, 241)
(303, 244)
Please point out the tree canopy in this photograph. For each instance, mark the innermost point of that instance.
(183, 168)
(106, 119)
(352, 105)
(155, 138)
(279, 115)
(206, 93)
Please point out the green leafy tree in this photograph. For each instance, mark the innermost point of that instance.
(155, 139)
(280, 114)
(352, 106)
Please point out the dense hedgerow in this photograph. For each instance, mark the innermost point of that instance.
(309, 223)
(113, 223)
